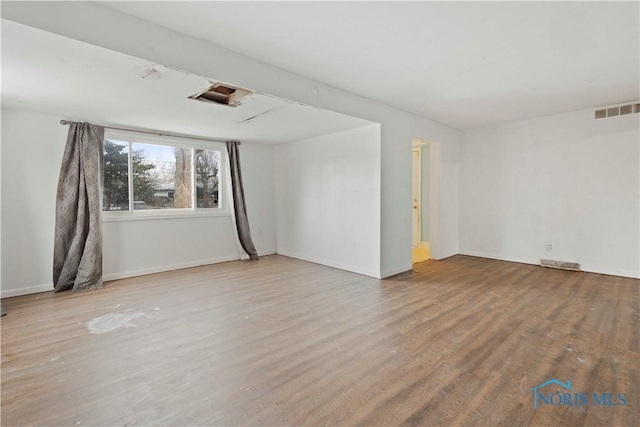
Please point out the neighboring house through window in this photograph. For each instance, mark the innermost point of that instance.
(143, 174)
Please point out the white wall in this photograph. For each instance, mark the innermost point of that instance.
(258, 177)
(566, 179)
(32, 146)
(1, 192)
(92, 23)
(141, 247)
(328, 200)
(132, 248)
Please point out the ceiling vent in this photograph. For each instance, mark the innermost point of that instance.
(222, 94)
(611, 112)
(621, 110)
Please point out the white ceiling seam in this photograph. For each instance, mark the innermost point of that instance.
(66, 70)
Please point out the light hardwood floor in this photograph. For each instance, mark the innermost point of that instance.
(421, 253)
(286, 342)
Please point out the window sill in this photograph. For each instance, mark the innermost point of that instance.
(149, 215)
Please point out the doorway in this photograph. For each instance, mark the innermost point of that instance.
(421, 195)
(415, 194)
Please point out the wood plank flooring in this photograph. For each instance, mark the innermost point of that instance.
(285, 342)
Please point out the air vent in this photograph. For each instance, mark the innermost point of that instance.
(621, 110)
(563, 265)
(222, 94)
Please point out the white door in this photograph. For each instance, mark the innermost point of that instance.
(416, 199)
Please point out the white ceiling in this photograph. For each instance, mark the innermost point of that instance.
(464, 64)
(52, 74)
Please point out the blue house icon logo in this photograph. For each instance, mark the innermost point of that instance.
(566, 385)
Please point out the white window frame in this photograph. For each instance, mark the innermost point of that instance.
(171, 213)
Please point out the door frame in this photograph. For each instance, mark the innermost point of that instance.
(434, 193)
(418, 201)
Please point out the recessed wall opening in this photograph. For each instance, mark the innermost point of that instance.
(222, 94)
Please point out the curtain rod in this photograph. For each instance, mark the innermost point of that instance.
(175, 135)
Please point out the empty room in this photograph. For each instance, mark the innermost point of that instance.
(320, 213)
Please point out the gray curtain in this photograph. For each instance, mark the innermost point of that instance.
(240, 209)
(77, 252)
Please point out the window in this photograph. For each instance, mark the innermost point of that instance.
(116, 176)
(158, 174)
(207, 167)
(161, 176)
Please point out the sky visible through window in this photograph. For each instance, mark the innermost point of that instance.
(152, 153)
(162, 157)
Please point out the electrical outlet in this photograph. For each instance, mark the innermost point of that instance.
(549, 247)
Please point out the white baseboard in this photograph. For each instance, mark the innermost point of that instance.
(500, 257)
(393, 271)
(620, 273)
(330, 263)
(163, 268)
(180, 266)
(8, 293)
(444, 255)
(586, 269)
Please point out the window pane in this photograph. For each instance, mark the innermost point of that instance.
(161, 176)
(115, 196)
(207, 179)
